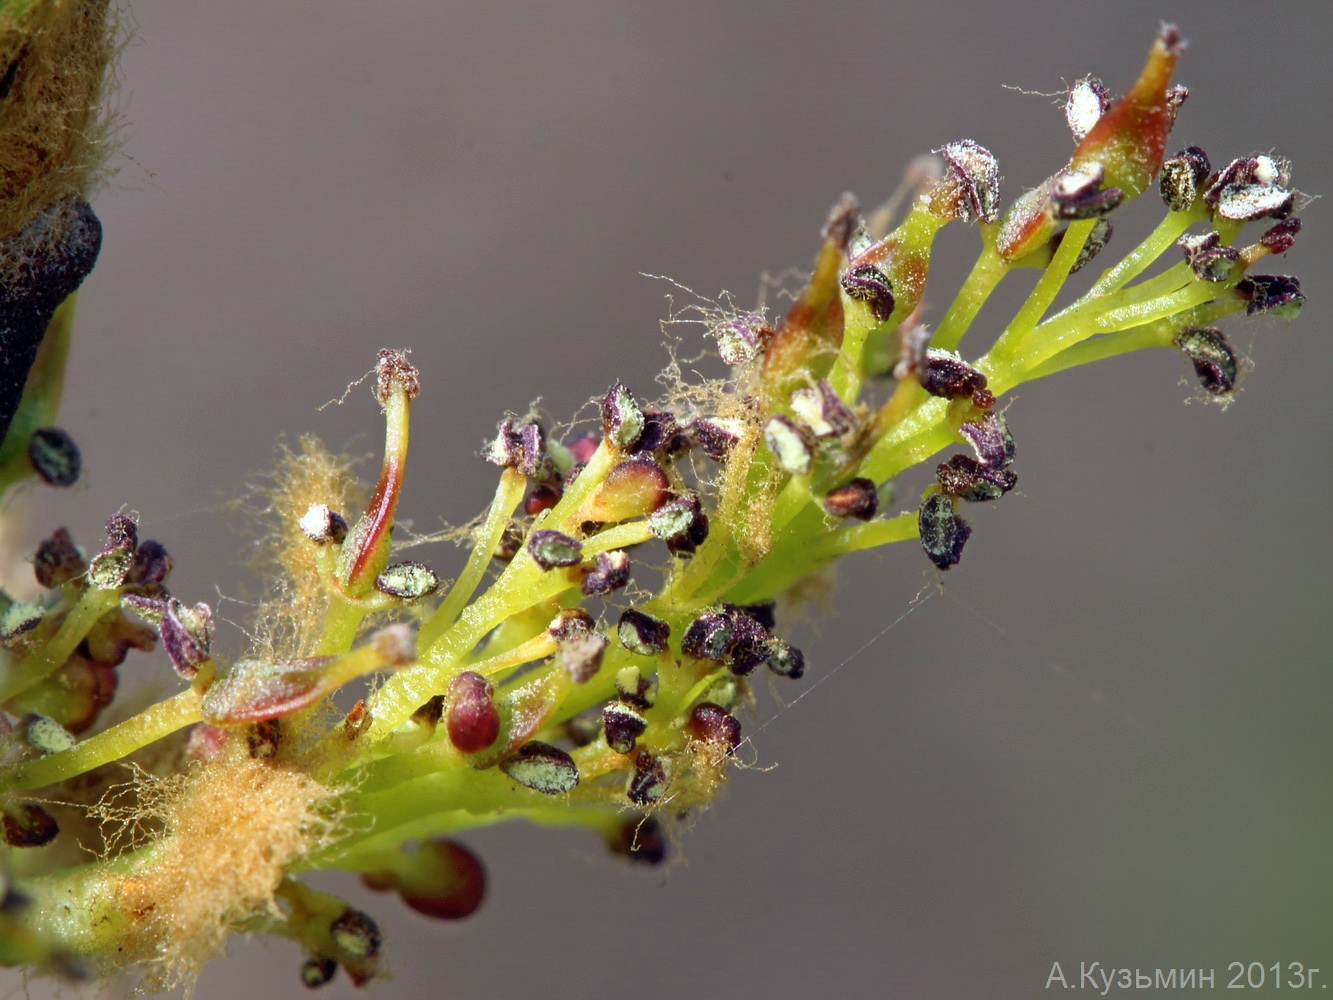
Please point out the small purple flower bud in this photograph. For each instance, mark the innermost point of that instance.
(1214, 361)
(1274, 294)
(1078, 194)
(789, 445)
(543, 768)
(356, 935)
(28, 825)
(970, 189)
(55, 456)
(472, 720)
(408, 581)
(714, 724)
(1252, 187)
(187, 634)
(623, 724)
(108, 569)
(151, 567)
(661, 433)
(1183, 176)
(1281, 237)
(521, 445)
(610, 573)
(688, 543)
(743, 338)
(121, 532)
(729, 636)
(635, 689)
(674, 519)
(1086, 101)
(946, 374)
(317, 970)
(550, 549)
(969, 480)
(786, 660)
(870, 284)
(858, 499)
(649, 781)
(642, 634)
(58, 560)
(943, 532)
(571, 622)
(322, 525)
(716, 436)
(1208, 258)
(991, 440)
(707, 637)
(622, 420)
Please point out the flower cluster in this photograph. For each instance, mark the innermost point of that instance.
(589, 663)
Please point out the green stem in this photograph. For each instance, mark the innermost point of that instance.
(508, 495)
(150, 725)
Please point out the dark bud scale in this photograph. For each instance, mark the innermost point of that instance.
(649, 781)
(947, 375)
(264, 738)
(786, 660)
(1078, 194)
(1182, 177)
(58, 560)
(623, 724)
(550, 549)
(42, 265)
(1208, 258)
(728, 636)
(28, 825)
(968, 479)
(642, 634)
(869, 284)
(55, 456)
(543, 768)
(858, 499)
(622, 420)
(943, 532)
(356, 935)
(317, 970)
(610, 572)
(1282, 236)
(1277, 294)
(1213, 359)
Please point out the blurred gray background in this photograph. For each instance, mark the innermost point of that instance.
(1107, 740)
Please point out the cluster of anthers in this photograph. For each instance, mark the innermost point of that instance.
(598, 679)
